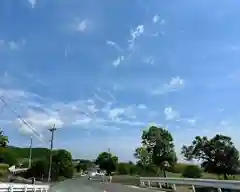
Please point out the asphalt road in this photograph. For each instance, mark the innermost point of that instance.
(82, 184)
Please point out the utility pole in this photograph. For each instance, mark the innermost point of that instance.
(109, 154)
(51, 148)
(30, 154)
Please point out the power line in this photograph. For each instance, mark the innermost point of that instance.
(22, 120)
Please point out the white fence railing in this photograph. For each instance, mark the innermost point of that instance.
(218, 184)
(17, 187)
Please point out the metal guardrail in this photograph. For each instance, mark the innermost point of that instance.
(16, 187)
(218, 184)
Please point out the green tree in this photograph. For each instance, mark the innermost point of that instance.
(123, 168)
(192, 171)
(107, 162)
(62, 165)
(7, 156)
(143, 155)
(218, 154)
(132, 168)
(3, 140)
(39, 169)
(81, 166)
(85, 164)
(177, 168)
(160, 146)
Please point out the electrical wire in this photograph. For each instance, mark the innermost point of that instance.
(38, 135)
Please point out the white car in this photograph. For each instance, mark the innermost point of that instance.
(91, 174)
(95, 174)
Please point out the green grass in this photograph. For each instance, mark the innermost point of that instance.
(126, 179)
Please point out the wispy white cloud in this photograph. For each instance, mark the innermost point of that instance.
(115, 45)
(117, 61)
(104, 96)
(41, 113)
(170, 113)
(175, 84)
(191, 121)
(32, 3)
(155, 19)
(82, 25)
(83, 121)
(139, 30)
(110, 97)
(115, 113)
(142, 106)
(149, 60)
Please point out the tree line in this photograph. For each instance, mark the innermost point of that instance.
(62, 164)
(155, 157)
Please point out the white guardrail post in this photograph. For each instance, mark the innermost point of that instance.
(193, 183)
(17, 187)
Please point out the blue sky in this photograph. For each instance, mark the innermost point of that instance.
(104, 71)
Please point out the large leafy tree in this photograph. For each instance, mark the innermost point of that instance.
(160, 147)
(6, 156)
(107, 162)
(62, 164)
(217, 155)
(3, 139)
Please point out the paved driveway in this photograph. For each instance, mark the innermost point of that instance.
(82, 184)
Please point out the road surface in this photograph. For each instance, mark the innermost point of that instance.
(82, 184)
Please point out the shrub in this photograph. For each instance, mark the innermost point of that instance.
(123, 168)
(39, 168)
(192, 171)
(177, 168)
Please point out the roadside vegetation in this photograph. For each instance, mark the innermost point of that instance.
(217, 158)
(62, 164)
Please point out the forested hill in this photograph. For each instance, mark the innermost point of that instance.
(22, 153)
(15, 155)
